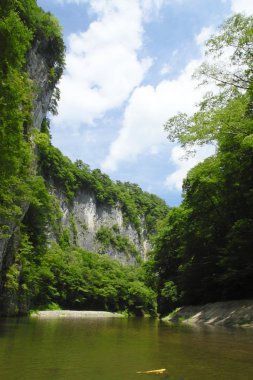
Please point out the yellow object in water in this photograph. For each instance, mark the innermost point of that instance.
(154, 371)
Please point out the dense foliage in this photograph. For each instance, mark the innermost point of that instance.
(204, 248)
(62, 275)
(22, 23)
(72, 278)
(65, 275)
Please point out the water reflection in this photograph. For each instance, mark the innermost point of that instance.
(110, 349)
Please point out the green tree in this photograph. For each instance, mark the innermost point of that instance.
(215, 261)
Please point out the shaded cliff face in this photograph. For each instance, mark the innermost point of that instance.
(101, 228)
(37, 69)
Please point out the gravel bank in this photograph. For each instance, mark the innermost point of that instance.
(230, 313)
(51, 314)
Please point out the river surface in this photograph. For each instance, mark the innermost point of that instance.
(116, 349)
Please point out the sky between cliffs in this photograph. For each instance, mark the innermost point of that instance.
(128, 69)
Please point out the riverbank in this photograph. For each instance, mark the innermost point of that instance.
(55, 314)
(230, 313)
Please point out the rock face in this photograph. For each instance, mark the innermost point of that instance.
(38, 73)
(229, 313)
(43, 89)
(85, 216)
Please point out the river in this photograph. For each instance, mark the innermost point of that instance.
(116, 349)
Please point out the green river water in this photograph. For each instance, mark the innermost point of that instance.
(115, 349)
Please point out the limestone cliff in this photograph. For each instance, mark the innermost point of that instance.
(37, 68)
(84, 217)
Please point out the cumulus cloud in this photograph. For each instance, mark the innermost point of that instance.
(174, 180)
(147, 5)
(105, 69)
(166, 69)
(148, 109)
(103, 64)
(242, 6)
(70, 1)
(204, 34)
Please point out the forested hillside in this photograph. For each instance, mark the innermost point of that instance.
(204, 251)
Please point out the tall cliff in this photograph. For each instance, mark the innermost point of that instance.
(38, 73)
(31, 63)
(46, 200)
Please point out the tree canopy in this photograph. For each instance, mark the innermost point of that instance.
(204, 251)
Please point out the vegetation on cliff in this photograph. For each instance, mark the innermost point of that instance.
(137, 205)
(22, 24)
(50, 275)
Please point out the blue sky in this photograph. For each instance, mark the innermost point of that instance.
(128, 69)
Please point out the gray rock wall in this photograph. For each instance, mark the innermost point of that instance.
(88, 216)
(38, 72)
(44, 88)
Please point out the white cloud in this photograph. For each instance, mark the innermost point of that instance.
(102, 63)
(147, 5)
(204, 34)
(174, 181)
(104, 69)
(71, 1)
(148, 109)
(166, 69)
(242, 6)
